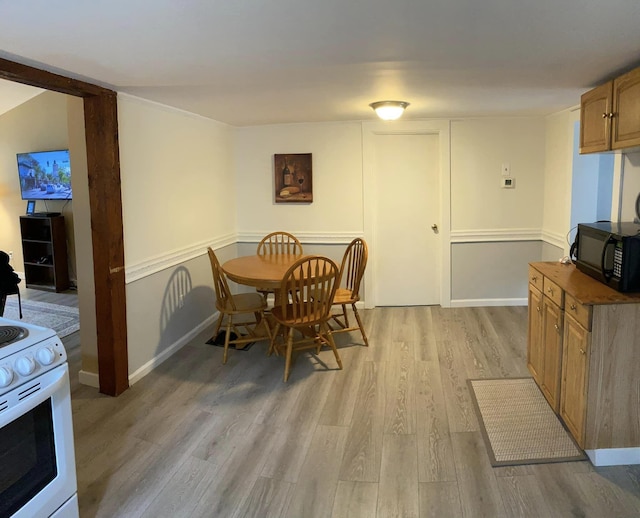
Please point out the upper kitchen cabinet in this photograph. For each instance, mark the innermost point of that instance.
(610, 115)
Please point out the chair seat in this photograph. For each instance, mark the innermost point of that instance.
(345, 296)
(288, 319)
(245, 302)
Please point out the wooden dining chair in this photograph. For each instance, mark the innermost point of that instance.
(237, 306)
(352, 269)
(277, 243)
(307, 290)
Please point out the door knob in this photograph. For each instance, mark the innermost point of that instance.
(434, 227)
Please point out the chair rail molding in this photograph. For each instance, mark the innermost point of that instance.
(496, 234)
(137, 271)
(554, 239)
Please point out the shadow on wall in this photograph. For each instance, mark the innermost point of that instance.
(184, 308)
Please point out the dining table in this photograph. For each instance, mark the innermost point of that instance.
(264, 272)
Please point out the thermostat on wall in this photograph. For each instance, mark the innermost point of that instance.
(508, 182)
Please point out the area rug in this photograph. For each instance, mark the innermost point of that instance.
(64, 320)
(518, 425)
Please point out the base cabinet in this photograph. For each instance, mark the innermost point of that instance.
(584, 352)
(575, 361)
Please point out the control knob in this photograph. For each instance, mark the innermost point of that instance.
(6, 376)
(25, 365)
(46, 355)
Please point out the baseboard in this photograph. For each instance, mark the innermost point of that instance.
(614, 456)
(472, 303)
(90, 379)
(172, 349)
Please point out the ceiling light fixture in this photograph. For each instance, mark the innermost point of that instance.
(389, 110)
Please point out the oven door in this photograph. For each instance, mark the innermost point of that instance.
(37, 460)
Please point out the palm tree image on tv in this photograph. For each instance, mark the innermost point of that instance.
(45, 175)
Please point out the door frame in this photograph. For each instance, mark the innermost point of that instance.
(105, 201)
(442, 128)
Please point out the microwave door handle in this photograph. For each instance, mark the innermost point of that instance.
(607, 274)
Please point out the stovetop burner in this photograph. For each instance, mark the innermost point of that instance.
(10, 334)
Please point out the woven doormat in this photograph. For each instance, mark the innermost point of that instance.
(518, 425)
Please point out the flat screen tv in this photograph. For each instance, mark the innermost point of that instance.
(45, 175)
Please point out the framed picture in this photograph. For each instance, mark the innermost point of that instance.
(293, 178)
(31, 207)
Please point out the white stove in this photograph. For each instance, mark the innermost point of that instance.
(27, 351)
(37, 458)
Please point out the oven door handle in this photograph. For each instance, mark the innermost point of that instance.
(607, 274)
(55, 381)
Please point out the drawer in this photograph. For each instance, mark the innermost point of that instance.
(553, 291)
(535, 278)
(578, 311)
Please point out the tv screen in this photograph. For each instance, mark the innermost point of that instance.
(45, 175)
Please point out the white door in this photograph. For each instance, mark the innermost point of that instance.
(406, 175)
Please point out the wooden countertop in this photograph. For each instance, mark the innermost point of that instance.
(585, 289)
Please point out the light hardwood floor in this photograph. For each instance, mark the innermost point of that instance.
(394, 434)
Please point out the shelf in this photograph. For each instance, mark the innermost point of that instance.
(44, 248)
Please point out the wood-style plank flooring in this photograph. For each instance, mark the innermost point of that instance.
(393, 434)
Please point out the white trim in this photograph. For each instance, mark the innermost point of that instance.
(554, 239)
(614, 456)
(474, 303)
(135, 272)
(171, 350)
(90, 379)
(495, 234)
(319, 238)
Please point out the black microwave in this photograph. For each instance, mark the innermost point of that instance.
(610, 252)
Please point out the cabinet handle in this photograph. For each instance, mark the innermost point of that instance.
(604, 115)
(582, 351)
(538, 308)
(573, 307)
(611, 115)
(534, 279)
(550, 290)
(557, 327)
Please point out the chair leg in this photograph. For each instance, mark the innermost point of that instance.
(272, 342)
(226, 340)
(357, 315)
(218, 325)
(324, 329)
(346, 317)
(287, 361)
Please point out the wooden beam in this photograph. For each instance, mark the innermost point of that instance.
(103, 161)
(42, 79)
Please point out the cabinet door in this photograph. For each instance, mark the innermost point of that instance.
(574, 377)
(552, 343)
(535, 356)
(625, 129)
(595, 123)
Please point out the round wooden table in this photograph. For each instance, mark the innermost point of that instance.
(260, 271)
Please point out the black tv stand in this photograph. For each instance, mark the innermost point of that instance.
(45, 214)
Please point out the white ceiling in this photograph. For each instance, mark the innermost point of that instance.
(247, 62)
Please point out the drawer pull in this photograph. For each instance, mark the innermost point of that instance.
(534, 279)
(573, 307)
(538, 308)
(550, 290)
(557, 327)
(582, 351)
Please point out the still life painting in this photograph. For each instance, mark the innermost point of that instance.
(293, 178)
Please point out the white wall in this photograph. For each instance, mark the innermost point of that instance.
(178, 197)
(556, 219)
(495, 232)
(337, 207)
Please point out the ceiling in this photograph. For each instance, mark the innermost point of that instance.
(249, 62)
